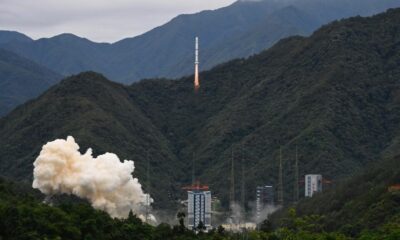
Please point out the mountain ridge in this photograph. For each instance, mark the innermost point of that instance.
(225, 34)
(9, 36)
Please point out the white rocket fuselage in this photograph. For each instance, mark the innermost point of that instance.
(196, 52)
(196, 66)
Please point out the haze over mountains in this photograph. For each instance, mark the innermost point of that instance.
(239, 30)
(334, 95)
(21, 79)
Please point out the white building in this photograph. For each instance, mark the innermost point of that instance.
(199, 209)
(313, 184)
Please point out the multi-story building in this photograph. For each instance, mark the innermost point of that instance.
(313, 184)
(199, 209)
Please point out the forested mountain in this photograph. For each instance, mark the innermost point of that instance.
(365, 202)
(99, 114)
(21, 80)
(334, 95)
(239, 30)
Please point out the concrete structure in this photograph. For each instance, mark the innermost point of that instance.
(199, 209)
(313, 184)
(264, 198)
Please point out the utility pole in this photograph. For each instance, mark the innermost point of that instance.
(280, 184)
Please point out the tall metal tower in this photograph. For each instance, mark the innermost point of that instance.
(232, 190)
(147, 215)
(243, 187)
(280, 184)
(296, 179)
(193, 169)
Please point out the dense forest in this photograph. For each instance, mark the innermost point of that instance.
(24, 216)
(365, 202)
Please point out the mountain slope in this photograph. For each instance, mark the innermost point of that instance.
(12, 36)
(99, 114)
(175, 40)
(366, 201)
(334, 95)
(239, 30)
(21, 80)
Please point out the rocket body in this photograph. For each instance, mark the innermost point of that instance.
(196, 51)
(196, 65)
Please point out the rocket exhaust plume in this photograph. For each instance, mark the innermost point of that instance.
(104, 180)
(196, 66)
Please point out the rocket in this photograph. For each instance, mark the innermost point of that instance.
(196, 65)
(196, 51)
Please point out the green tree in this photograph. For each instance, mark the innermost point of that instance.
(181, 217)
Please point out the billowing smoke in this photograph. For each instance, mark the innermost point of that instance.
(259, 215)
(104, 180)
(237, 214)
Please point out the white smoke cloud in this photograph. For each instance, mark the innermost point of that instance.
(264, 213)
(237, 214)
(105, 181)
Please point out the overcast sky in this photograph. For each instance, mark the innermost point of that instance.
(98, 20)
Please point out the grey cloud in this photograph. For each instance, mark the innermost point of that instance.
(98, 20)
